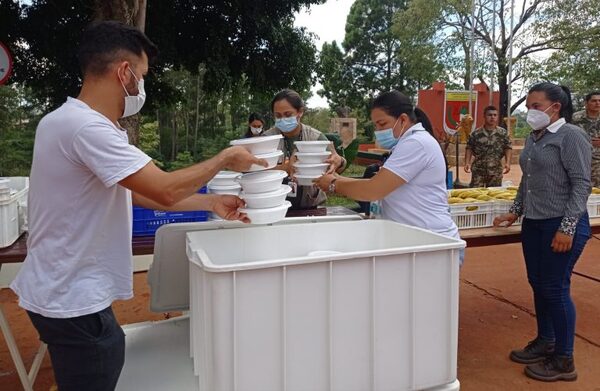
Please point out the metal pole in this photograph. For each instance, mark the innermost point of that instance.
(472, 55)
(493, 50)
(510, 65)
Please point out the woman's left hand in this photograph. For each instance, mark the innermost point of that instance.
(324, 181)
(335, 161)
(561, 243)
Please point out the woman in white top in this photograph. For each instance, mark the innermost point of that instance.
(412, 182)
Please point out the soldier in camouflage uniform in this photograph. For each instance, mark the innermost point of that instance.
(485, 149)
(589, 120)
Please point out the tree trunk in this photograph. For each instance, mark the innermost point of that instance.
(132, 13)
(174, 137)
(197, 117)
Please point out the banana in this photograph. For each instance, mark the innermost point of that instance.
(455, 200)
(484, 197)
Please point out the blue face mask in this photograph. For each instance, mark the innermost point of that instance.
(286, 125)
(385, 138)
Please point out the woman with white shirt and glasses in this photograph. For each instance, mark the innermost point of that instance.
(412, 182)
(552, 198)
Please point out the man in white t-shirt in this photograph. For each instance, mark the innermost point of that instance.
(84, 178)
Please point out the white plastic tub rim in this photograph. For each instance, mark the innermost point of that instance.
(312, 146)
(321, 252)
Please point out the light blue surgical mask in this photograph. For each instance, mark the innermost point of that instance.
(385, 138)
(286, 125)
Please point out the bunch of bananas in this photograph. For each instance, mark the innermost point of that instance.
(461, 196)
(595, 190)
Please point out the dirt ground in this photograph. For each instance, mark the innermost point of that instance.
(496, 315)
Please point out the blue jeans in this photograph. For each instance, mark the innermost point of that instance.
(87, 352)
(549, 275)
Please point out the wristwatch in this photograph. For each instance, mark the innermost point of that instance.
(332, 186)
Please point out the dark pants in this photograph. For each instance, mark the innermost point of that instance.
(87, 352)
(549, 275)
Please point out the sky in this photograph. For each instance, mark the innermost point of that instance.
(328, 22)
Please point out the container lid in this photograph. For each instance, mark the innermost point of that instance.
(324, 153)
(227, 174)
(311, 165)
(263, 211)
(269, 155)
(168, 275)
(263, 176)
(235, 186)
(255, 140)
(317, 142)
(308, 176)
(284, 189)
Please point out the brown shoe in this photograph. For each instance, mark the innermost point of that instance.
(535, 351)
(553, 369)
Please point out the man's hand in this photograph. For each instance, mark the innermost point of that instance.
(506, 168)
(505, 220)
(324, 181)
(561, 243)
(226, 207)
(239, 159)
(467, 168)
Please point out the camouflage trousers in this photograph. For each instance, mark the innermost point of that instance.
(485, 178)
(596, 172)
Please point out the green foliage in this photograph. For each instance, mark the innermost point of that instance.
(319, 119)
(184, 159)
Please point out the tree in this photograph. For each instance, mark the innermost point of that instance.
(539, 26)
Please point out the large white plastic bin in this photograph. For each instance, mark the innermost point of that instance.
(11, 203)
(358, 305)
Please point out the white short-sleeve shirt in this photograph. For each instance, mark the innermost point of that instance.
(79, 256)
(423, 200)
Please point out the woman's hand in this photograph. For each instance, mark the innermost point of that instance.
(226, 207)
(324, 181)
(335, 161)
(505, 220)
(561, 243)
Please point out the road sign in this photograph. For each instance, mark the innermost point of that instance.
(5, 63)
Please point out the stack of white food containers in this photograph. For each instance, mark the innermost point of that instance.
(262, 190)
(311, 161)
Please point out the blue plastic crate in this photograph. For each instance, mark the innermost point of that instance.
(147, 221)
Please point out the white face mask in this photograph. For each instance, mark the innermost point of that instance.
(538, 119)
(134, 103)
(256, 131)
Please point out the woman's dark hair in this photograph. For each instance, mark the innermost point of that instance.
(292, 97)
(559, 94)
(251, 118)
(103, 43)
(395, 103)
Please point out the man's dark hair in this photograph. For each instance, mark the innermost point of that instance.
(104, 42)
(489, 108)
(589, 96)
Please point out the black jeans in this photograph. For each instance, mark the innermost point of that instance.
(87, 352)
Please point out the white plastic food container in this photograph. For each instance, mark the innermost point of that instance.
(306, 180)
(234, 189)
(262, 182)
(266, 200)
(311, 169)
(267, 215)
(312, 146)
(312, 157)
(271, 159)
(224, 178)
(372, 307)
(13, 197)
(259, 145)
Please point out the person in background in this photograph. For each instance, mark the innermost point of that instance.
(412, 182)
(256, 125)
(288, 107)
(84, 178)
(484, 152)
(552, 198)
(589, 120)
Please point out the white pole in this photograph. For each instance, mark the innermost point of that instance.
(493, 50)
(472, 56)
(510, 64)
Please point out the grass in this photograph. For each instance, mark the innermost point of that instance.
(353, 170)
